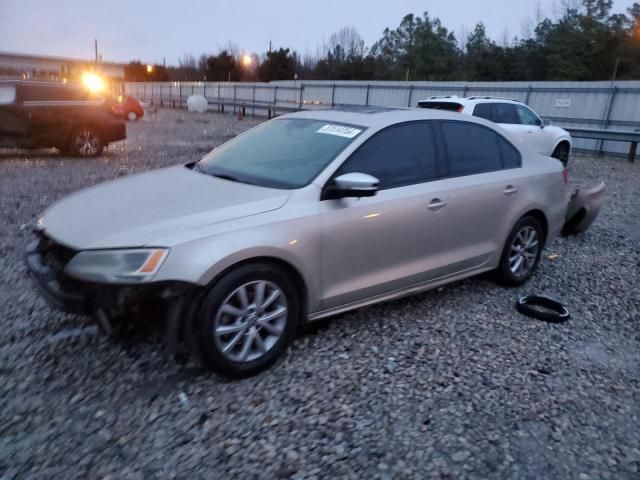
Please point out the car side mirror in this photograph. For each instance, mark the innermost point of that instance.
(545, 123)
(353, 185)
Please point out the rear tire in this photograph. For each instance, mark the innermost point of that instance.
(521, 252)
(247, 320)
(562, 152)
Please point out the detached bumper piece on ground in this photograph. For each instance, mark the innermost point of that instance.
(543, 308)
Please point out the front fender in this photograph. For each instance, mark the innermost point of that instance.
(560, 136)
(293, 242)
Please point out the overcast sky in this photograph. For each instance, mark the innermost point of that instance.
(150, 30)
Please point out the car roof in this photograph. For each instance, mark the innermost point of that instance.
(469, 100)
(381, 117)
(39, 83)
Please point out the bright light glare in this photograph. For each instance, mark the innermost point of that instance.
(149, 68)
(93, 81)
(247, 60)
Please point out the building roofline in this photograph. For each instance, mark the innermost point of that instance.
(55, 58)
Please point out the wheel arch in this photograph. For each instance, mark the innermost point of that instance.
(296, 275)
(78, 124)
(542, 218)
(561, 141)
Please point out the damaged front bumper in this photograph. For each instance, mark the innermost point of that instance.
(46, 261)
(584, 206)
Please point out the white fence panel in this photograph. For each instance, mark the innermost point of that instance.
(595, 105)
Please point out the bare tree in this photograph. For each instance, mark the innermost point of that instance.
(349, 40)
(232, 48)
(463, 33)
(561, 7)
(505, 40)
(529, 25)
(309, 61)
(539, 13)
(188, 61)
(526, 28)
(202, 64)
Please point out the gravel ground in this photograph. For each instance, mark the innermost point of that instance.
(452, 383)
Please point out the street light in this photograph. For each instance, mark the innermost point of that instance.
(247, 61)
(93, 81)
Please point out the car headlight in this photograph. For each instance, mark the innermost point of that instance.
(117, 266)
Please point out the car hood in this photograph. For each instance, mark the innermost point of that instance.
(140, 209)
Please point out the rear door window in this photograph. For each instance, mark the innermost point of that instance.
(506, 113)
(397, 156)
(7, 94)
(484, 110)
(472, 148)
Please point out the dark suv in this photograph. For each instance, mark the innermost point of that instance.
(47, 114)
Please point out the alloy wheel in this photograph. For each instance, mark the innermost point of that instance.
(250, 321)
(87, 143)
(523, 251)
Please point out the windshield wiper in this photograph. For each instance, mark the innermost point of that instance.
(225, 176)
(195, 166)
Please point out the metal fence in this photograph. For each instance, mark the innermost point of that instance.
(595, 105)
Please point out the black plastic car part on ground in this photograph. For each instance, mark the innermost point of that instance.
(548, 309)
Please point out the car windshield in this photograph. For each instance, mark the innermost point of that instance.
(283, 153)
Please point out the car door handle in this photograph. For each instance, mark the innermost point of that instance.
(510, 190)
(436, 204)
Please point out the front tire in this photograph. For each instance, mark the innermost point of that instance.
(247, 320)
(85, 142)
(521, 253)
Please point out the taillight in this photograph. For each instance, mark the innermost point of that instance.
(565, 176)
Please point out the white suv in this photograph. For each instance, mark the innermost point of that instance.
(513, 116)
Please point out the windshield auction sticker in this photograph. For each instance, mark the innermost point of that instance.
(339, 130)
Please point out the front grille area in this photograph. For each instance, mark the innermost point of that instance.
(54, 255)
(46, 260)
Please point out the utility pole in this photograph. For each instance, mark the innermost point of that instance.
(269, 46)
(615, 72)
(95, 46)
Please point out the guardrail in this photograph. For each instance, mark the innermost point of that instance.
(241, 106)
(586, 108)
(609, 136)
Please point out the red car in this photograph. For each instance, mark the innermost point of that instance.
(130, 107)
